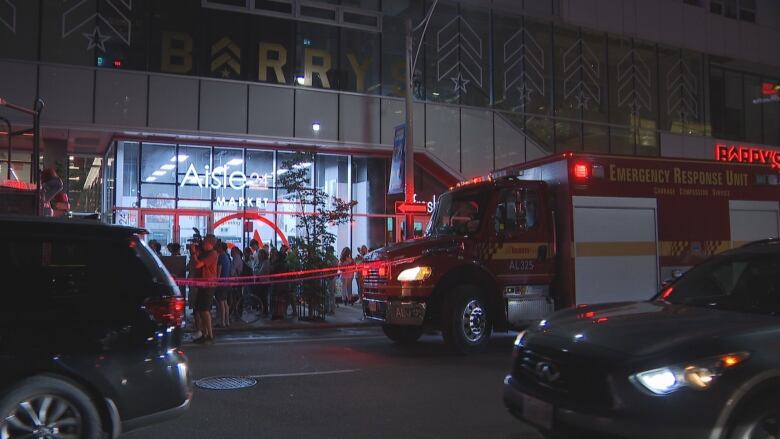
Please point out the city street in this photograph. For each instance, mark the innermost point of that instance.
(345, 383)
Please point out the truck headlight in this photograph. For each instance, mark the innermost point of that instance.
(414, 274)
(697, 375)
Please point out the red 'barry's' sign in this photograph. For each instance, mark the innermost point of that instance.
(747, 154)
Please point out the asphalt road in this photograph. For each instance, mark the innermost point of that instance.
(349, 383)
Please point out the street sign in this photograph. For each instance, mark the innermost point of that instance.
(403, 207)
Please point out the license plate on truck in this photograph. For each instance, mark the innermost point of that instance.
(537, 412)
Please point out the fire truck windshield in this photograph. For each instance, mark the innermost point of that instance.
(459, 212)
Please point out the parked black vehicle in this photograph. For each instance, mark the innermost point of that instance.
(89, 331)
(699, 360)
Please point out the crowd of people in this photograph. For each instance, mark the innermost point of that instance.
(211, 259)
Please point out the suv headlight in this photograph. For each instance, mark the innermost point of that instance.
(414, 274)
(696, 375)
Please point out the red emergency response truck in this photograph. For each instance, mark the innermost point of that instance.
(509, 248)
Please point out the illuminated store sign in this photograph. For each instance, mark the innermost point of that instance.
(219, 178)
(770, 92)
(747, 154)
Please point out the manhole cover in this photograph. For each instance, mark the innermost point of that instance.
(225, 383)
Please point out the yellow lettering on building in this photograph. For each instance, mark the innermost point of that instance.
(360, 71)
(176, 52)
(265, 62)
(320, 67)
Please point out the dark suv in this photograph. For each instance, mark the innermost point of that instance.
(89, 331)
(700, 360)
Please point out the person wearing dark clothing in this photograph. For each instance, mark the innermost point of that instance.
(279, 294)
(263, 269)
(223, 292)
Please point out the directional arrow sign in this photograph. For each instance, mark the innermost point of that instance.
(403, 207)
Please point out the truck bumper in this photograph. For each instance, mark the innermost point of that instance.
(395, 313)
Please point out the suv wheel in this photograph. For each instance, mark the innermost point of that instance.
(466, 321)
(759, 419)
(403, 334)
(46, 407)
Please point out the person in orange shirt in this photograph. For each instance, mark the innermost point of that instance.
(206, 262)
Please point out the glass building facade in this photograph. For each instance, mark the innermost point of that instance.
(171, 188)
(568, 88)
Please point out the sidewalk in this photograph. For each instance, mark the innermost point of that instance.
(344, 317)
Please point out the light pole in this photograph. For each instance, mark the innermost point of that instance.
(411, 64)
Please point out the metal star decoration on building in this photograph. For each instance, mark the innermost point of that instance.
(460, 83)
(525, 95)
(582, 100)
(96, 39)
(225, 72)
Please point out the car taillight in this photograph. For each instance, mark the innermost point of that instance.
(168, 311)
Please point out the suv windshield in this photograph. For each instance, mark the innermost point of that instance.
(459, 212)
(741, 283)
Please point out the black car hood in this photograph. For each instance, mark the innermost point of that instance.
(646, 328)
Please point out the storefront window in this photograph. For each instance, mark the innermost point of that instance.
(752, 111)
(194, 192)
(228, 161)
(260, 172)
(84, 183)
(158, 182)
(127, 174)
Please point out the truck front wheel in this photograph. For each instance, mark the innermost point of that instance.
(466, 320)
(402, 334)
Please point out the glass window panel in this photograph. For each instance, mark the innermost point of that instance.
(621, 141)
(262, 231)
(191, 161)
(734, 112)
(645, 77)
(158, 195)
(359, 61)
(370, 5)
(647, 142)
(72, 33)
(717, 102)
(474, 58)
(282, 157)
(109, 181)
(523, 65)
(752, 111)
(222, 44)
(442, 54)
(694, 67)
(317, 55)
(592, 93)
(373, 232)
(260, 170)
(226, 161)
(173, 31)
(394, 14)
(771, 112)
(157, 164)
(20, 36)
(596, 138)
(231, 231)
(540, 129)
(681, 104)
(127, 174)
(568, 136)
(332, 175)
(620, 81)
(570, 90)
(369, 184)
(84, 183)
(272, 52)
